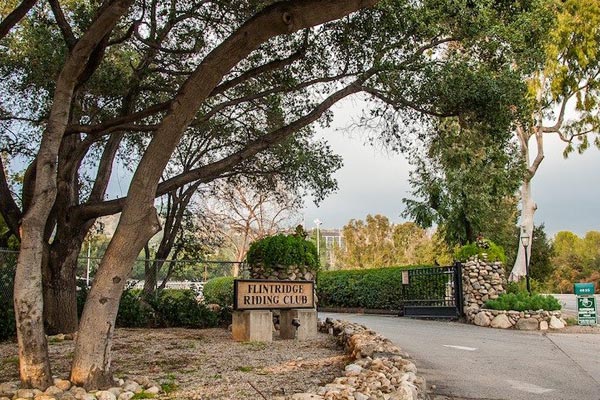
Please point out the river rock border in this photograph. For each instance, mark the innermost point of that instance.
(379, 370)
(522, 320)
(64, 390)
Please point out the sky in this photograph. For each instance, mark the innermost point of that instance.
(567, 191)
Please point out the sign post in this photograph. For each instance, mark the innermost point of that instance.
(587, 313)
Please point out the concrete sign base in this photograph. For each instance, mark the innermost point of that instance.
(255, 326)
(306, 318)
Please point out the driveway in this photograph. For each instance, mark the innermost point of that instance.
(469, 362)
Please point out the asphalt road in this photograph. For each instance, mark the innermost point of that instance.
(470, 362)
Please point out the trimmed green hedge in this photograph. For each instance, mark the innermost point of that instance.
(283, 250)
(379, 288)
(523, 301)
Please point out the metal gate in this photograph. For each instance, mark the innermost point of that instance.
(432, 292)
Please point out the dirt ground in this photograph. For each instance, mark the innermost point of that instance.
(206, 364)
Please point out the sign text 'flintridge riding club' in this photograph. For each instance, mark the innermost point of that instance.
(264, 294)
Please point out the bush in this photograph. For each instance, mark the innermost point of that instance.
(284, 250)
(170, 308)
(179, 308)
(133, 311)
(493, 251)
(7, 314)
(219, 291)
(379, 288)
(523, 301)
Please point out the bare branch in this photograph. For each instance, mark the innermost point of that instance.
(64, 26)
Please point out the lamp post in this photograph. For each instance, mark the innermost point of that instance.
(318, 223)
(525, 242)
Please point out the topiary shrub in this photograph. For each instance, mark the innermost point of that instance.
(523, 301)
(493, 251)
(283, 250)
(219, 291)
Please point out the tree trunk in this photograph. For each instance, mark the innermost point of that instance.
(92, 363)
(34, 364)
(60, 290)
(527, 212)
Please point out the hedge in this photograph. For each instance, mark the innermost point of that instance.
(379, 288)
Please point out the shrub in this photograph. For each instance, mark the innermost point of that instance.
(379, 288)
(286, 250)
(133, 311)
(7, 314)
(179, 308)
(493, 251)
(523, 301)
(219, 291)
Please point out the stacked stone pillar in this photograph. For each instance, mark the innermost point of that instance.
(482, 281)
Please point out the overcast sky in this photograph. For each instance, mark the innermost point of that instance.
(567, 191)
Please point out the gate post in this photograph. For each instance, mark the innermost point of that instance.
(458, 292)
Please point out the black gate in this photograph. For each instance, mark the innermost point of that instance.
(432, 292)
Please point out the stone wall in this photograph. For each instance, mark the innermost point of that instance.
(282, 272)
(482, 281)
(522, 320)
(379, 369)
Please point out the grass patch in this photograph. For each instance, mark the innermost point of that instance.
(169, 387)
(245, 369)
(143, 395)
(255, 346)
(571, 321)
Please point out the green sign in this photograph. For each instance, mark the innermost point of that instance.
(584, 289)
(586, 310)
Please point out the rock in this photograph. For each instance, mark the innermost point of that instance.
(44, 396)
(501, 321)
(105, 395)
(126, 396)
(543, 325)
(353, 370)
(152, 390)
(62, 384)
(306, 396)
(481, 319)
(25, 394)
(53, 391)
(527, 324)
(214, 307)
(116, 391)
(360, 396)
(132, 386)
(556, 323)
(8, 389)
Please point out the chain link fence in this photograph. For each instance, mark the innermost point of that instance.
(179, 274)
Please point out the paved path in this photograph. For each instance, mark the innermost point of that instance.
(470, 362)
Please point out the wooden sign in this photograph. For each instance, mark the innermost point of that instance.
(256, 294)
